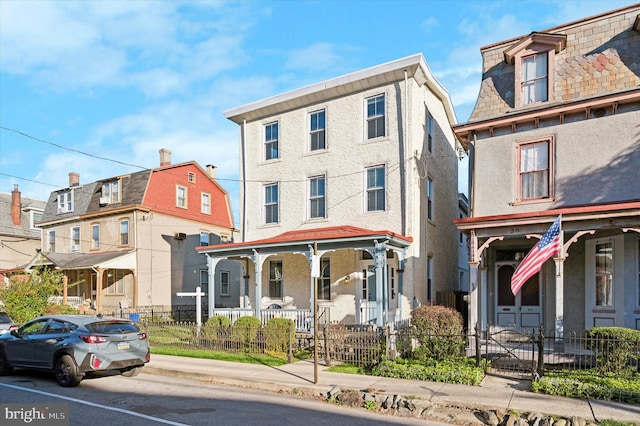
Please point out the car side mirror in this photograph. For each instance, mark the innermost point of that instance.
(14, 333)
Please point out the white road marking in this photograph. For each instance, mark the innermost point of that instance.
(105, 407)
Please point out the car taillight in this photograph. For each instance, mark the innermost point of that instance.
(142, 336)
(13, 327)
(92, 338)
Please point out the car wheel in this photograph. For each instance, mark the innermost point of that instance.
(132, 372)
(67, 372)
(5, 367)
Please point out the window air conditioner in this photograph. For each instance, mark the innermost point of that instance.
(75, 247)
(180, 235)
(104, 200)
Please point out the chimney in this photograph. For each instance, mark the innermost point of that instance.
(165, 157)
(211, 171)
(74, 179)
(15, 205)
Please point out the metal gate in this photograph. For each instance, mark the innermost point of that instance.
(512, 352)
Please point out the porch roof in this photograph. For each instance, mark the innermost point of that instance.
(114, 260)
(299, 240)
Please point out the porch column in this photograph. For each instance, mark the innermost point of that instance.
(559, 319)
(65, 289)
(400, 271)
(135, 288)
(211, 271)
(257, 262)
(474, 277)
(380, 260)
(99, 274)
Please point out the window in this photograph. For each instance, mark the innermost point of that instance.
(324, 281)
(224, 283)
(51, 243)
(181, 197)
(95, 236)
(271, 140)
(392, 282)
(429, 132)
(35, 216)
(205, 203)
(534, 79)
(65, 202)
(429, 277)
(429, 198)
(204, 279)
(75, 238)
(376, 188)
(604, 274)
(124, 232)
(110, 192)
(375, 117)
(317, 203)
(191, 177)
(275, 279)
(271, 203)
(317, 130)
(534, 170)
(204, 238)
(115, 281)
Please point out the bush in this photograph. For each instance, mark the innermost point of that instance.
(211, 328)
(460, 370)
(279, 336)
(245, 329)
(617, 349)
(439, 331)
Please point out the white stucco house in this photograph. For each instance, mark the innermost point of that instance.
(353, 179)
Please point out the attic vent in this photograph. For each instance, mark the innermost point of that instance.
(180, 236)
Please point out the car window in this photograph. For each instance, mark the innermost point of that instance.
(112, 327)
(35, 327)
(4, 319)
(58, 327)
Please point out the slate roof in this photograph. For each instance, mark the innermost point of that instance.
(6, 222)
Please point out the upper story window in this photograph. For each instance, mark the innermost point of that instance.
(204, 238)
(271, 203)
(51, 241)
(35, 216)
(191, 177)
(65, 202)
(375, 188)
(271, 140)
(181, 197)
(95, 236)
(429, 198)
(534, 169)
(205, 203)
(124, 232)
(375, 117)
(75, 239)
(534, 79)
(110, 192)
(317, 198)
(317, 130)
(429, 132)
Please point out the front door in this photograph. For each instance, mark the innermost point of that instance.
(366, 309)
(523, 310)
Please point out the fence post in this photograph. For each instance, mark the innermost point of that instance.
(541, 352)
(327, 357)
(291, 336)
(477, 335)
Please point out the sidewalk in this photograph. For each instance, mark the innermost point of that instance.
(494, 392)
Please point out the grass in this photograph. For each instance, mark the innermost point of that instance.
(220, 356)
(347, 368)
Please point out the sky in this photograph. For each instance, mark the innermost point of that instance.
(99, 87)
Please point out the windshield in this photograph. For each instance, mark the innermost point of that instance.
(112, 327)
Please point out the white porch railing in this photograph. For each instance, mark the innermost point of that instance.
(302, 318)
(73, 301)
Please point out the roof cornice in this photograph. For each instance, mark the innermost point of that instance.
(557, 41)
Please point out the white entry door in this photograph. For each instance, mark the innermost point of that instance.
(523, 310)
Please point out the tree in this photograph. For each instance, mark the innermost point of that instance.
(27, 296)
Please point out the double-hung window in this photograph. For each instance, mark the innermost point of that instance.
(51, 243)
(65, 202)
(181, 197)
(324, 281)
(429, 132)
(271, 140)
(275, 279)
(317, 197)
(375, 177)
(75, 239)
(110, 192)
(224, 283)
(429, 198)
(535, 170)
(205, 203)
(124, 232)
(375, 117)
(95, 236)
(534, 79)
(604, 274)
(271, 203)
(317, 131)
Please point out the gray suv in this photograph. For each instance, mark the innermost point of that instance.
(74, 345)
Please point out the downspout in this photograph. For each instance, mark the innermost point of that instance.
(243, 163)
(405, 216)
(471, 182)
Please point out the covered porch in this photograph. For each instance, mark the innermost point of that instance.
(354, 275)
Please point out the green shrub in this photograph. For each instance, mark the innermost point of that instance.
(617, 348)
(459, 370)
(245, 329)
(211, 329)
(279, 336)
(439, 332)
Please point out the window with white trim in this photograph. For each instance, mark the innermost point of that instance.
(181, 196)
(317, 130)
(271, 140)
(224, 283)
(75, 239)
(205, 203)
(95, 236)
(275, 279)
(124, 232)
(429, 198)
(115, 281)
(376, 117)
(51, 241)
(110, 192)
(271, 203)
(534, 169)
(604, 273)
(65, 202)
(534, 79)
(317, 198)
(204, 279)
(375, 182)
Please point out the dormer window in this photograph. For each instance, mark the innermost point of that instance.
(65, 202)
(110, 192)
(533, 58)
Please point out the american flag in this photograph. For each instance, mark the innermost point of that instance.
(547, 247)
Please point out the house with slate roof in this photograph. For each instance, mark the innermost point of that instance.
(19, 236)
(128, 242)
(348, 195)
(556, 132)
